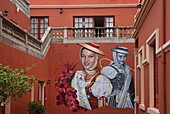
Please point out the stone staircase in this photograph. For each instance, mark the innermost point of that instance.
(13, 35)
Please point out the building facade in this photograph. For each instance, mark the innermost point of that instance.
(151, 57)
(44, 38)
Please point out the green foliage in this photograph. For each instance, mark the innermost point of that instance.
(35, 108)
(14, 83)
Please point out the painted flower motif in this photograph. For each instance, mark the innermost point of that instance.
(67, 95)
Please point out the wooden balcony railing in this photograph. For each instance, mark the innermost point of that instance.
(15, 36)
(96, 32)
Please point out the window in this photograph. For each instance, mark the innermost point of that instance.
(78, 22)
(109, 22)
(152, 46)
(38, 26)
(141, 78)
(40, 89)
(137, 70)
(41, 92)
(156, 92)
(142, 91)
(97, 21)
(83, 22)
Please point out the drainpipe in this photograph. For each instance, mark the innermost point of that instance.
(163, 58)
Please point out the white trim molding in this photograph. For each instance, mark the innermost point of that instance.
(166, 46)
(84, 6)
(136, 100)
(142, 106)
(150, 40)
(22, 5)
(153, 111)
(154, 38)
(8, 106)
(93, 40)
(141, 66)
(43, 93)
(32, 92)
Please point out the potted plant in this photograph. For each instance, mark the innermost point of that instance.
(35, 108)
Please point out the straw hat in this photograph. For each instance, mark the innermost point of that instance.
(92, 47)
(121, 49)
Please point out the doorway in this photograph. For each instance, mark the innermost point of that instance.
(99, 22)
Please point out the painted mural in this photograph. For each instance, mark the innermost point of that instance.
(93, 87)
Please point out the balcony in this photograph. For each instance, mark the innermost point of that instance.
(96, 34)
(13, 35)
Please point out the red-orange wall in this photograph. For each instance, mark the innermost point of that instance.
(123, 16)
(167, 16)
(59, 54)
(153, 21)
(167, 73)
(63, 53)
(75, 2)
(51, 67)
(18, 17)
(18, 59)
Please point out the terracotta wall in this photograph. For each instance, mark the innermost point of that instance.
(74, 2)
(167, 20)
(59, 54)
(146, 85)
(167, 66)
(51, 67)
(18, 59)
(17, 17)
(64, 54)
(153, 21)
(123, 16)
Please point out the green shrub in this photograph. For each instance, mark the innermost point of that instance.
(35, 108)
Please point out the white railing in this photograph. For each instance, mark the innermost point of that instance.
(13, 35)
(96, 32)
(22, 38)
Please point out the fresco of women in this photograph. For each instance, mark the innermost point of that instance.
(92, 87)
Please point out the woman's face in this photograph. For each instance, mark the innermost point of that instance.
(88, 59)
